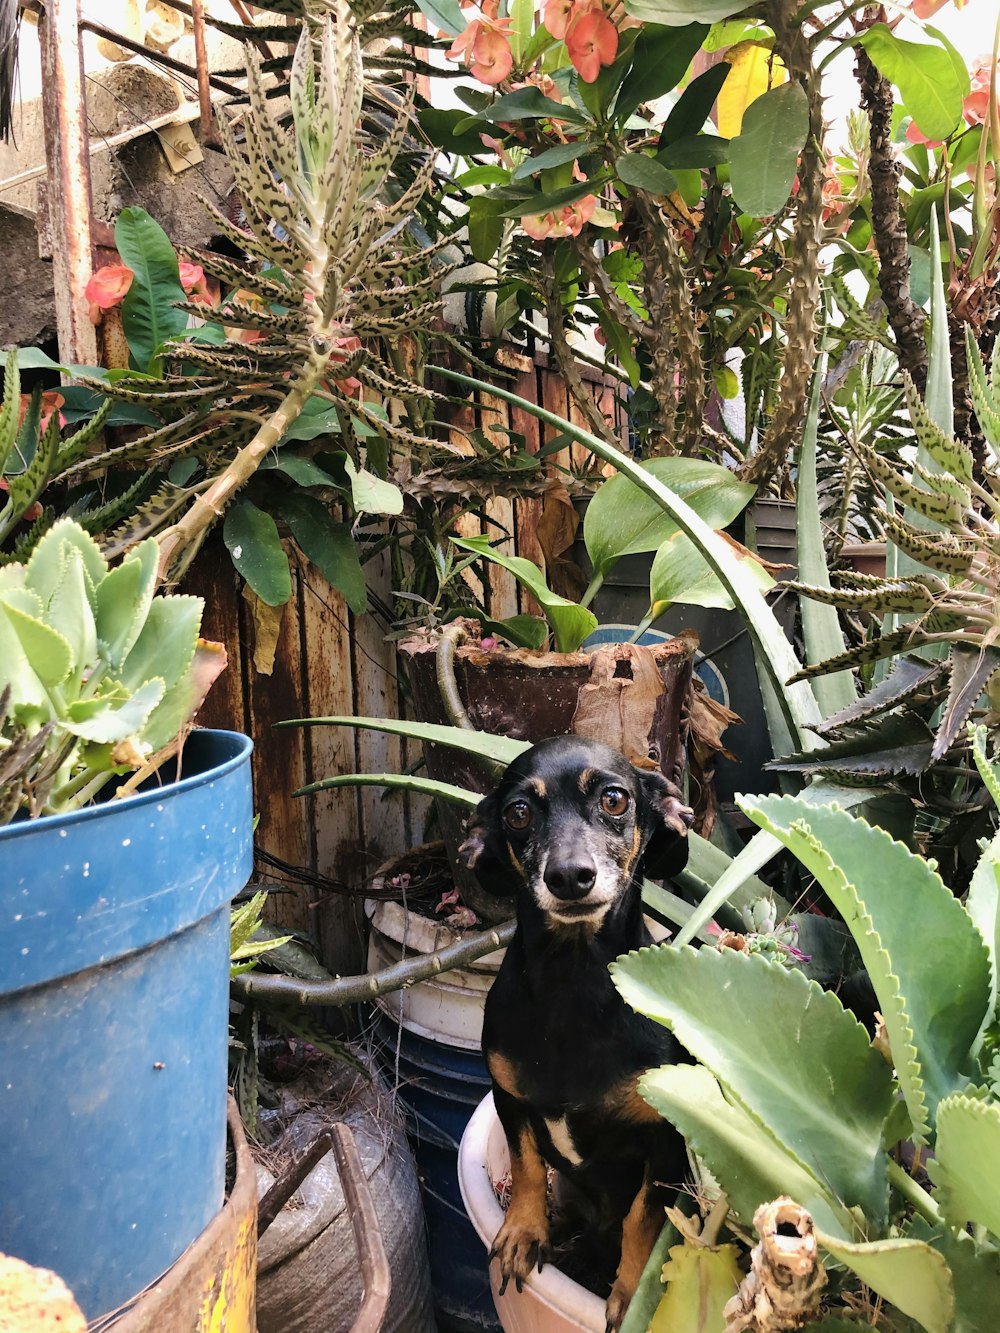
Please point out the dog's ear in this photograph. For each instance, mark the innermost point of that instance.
(668, 819)
(484, 850)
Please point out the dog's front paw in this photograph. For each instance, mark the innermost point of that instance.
(520, 1246)
(617, 1306)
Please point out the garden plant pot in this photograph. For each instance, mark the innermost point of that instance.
(550, 1302)
(114, 958)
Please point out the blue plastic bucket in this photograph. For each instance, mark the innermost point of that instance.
(114, 985)
(439, 1088)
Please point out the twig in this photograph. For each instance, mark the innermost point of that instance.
(559, 344)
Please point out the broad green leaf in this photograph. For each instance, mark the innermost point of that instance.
(643, 172)
(309, 425)
(533, 203)
(691, 154)
(764, 156)
(328, 545)
(907, 1273)
(966, 1162)
(622, 520)
(485, 229)
(486, 175)
(557, 156)
(531, 104)
(570, 622)
(523, 15)
(148, 314)
(694, 106)
(983, 906)
(701, 1280)
(679, 13)
(303, 471)
(660, 60)
(251, 537)
(500, 749)
(441, 128)
(931, 86)
(755, 69)
(522, 631)
(166, 643)
(975, 1275)
(175, 709)
(680, 574)
(750, 1163)
(117, 721)
(933, 1000)
(443, 15)
(47, 651)
(823, 1091)
(820, 623)
(370, 494)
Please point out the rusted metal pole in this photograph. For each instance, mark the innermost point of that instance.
(67, 159)
(209, 133)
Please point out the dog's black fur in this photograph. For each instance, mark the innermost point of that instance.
(572, 829)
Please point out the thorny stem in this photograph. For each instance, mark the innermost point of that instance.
(559, 344)
(906, 319)
(785, 429)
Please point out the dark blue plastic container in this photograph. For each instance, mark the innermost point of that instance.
(114, 983)
(439, 1087)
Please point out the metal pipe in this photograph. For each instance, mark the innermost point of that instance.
(209, 133)
(67, 162)
(157, 57)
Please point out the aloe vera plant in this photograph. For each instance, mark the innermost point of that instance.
(98, 676)
(790, 1097)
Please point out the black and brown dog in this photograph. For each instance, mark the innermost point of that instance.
(572, 829)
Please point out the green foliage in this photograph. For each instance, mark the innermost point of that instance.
(764, 155)
(107, 673)
(769, 1116)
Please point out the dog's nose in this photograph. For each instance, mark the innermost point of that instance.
(570, 878)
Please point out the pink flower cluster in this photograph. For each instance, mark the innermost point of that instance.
(591, 39)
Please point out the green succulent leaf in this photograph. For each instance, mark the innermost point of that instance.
(933, 1000)
(907, 1273)
(47, 565)
(71, 615)
(115, 720)
(123, 599)
(749, 1161)
(251, 537)
(166, 643)
(966, 1162)
(48, 652)
(828, 1112)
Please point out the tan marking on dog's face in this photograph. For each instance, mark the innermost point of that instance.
(503, 1074)
(514, 861)
(585, 779)
(538, 787)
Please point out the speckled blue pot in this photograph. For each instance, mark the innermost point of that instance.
(114, 972)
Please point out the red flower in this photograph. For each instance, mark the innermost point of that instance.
(485, 48)
(107, 288)
(591, 41)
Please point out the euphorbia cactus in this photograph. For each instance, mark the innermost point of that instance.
(97, 676)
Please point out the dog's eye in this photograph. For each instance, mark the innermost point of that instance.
(518, 816)
(614, 801)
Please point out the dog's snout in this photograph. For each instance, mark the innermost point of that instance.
(571, 877)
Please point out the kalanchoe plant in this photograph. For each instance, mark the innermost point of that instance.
(99, 677)
(790, 1098)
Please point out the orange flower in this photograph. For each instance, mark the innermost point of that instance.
(194, 282)
(591, 41)
(485, 48)
(925, 9)
(107, 288)
(567, 221)
(52, 401)
(976, 107)
(556, 15)
(914, 134)
(346, 347)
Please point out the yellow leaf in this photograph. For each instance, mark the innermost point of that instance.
(699, 1282)
(755, 70)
